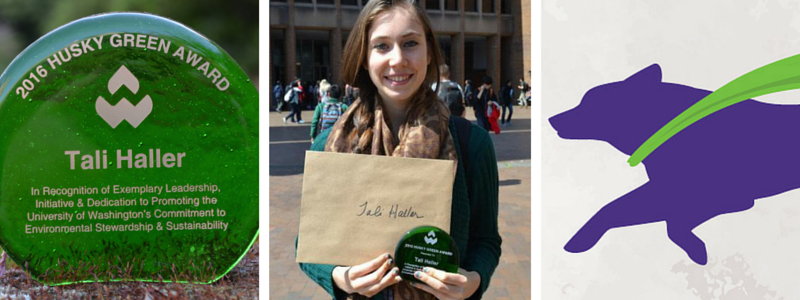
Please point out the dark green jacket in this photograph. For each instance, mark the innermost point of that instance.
(318, 115)
(474, 213)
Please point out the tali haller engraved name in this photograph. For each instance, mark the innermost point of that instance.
(394, 211)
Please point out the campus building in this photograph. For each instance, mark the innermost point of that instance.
(477, 38)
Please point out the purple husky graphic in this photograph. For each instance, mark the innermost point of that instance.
(718, 165)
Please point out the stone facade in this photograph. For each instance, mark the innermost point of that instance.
(498, 40)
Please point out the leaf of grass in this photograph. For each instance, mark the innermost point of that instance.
(782, 75)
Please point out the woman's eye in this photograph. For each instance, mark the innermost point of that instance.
(410, 44)
(381, 47)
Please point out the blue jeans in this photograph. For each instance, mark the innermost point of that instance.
(296, 110)
(510, 112)
(480, 117)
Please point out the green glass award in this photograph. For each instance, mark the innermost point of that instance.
(129, 151)
(426, 246)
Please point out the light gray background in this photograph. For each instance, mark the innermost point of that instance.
(753, 254)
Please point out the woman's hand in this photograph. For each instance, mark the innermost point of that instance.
(446, 286)
(368, 278)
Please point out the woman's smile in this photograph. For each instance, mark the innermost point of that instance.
(397, 80)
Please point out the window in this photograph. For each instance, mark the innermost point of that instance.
(432, 5)
(505, 6)
(488, 6)
(350, 2)
(330, 2)
(277, 59)
(313, 59)
(321, 54)
(446, 48)
(451, 5)
(471, 5)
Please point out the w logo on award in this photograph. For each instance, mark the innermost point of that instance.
(124, 110)
(431, 238)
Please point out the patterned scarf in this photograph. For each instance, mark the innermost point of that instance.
(426, 135)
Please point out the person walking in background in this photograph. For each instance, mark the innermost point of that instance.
(485, 94)
(523, 88)
(277, 96)
(328, 111)
(446, 85)
(469, 92)
(295, 95)
(506, 100)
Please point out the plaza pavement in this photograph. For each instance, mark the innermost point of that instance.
(288, 143)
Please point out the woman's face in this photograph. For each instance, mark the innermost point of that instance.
(397, 59)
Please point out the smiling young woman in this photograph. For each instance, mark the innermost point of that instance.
(392, 56)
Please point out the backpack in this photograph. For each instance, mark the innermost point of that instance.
(452, 99)
(288, 96)
(447, 86)
(330, 114)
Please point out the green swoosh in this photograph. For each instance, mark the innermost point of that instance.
(782, 75)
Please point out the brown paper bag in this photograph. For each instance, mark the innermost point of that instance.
(355, 207)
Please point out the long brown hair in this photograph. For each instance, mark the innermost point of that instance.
(354, 70)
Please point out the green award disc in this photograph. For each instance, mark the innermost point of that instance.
(426, 246)
(129, 151)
